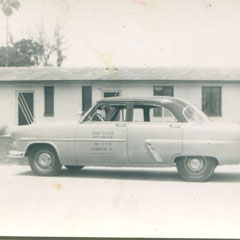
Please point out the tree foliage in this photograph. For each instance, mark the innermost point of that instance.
(50, 48)
(29, 52)
(8, 6)
(24, 53)
(59, 42)
(33, 51)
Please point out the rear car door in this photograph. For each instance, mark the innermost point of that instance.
(154, 135)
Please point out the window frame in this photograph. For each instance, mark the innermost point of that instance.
(17, 92)
(152, 104)
(211, 114)
(126, 104)
(48, 114)
(172, 89)
(111, 91)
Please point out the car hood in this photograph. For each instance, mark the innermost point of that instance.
(50, 129)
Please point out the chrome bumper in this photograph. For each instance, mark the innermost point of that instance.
(16, 154)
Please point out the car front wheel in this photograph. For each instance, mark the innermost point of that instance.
(44, 161)
(196, 169)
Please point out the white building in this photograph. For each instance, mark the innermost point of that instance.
(50, 94)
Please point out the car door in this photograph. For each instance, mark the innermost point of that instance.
(102, 137)
(154, 135)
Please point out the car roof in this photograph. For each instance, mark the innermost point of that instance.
(160, 99)
(175, 104)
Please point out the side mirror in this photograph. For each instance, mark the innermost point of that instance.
(80, 115)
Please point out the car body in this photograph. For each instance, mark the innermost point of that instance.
(132, 132)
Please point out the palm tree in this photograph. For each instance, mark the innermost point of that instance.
(7, 8)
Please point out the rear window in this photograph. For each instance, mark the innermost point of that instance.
(193, 114)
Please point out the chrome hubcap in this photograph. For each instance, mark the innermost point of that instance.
(45, 160)
(195, 164)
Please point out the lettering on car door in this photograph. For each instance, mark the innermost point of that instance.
(102, 136)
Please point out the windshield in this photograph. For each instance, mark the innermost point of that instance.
(88, 111)
(194, 114)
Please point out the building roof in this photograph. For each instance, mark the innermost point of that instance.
(122, 74)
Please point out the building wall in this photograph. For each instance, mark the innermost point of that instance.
(68, 98)
(7, 105)
(230, 103)
(67, 102)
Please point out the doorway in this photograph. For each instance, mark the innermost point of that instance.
(25, 108)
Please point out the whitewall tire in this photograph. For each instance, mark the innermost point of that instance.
(196, 169)
(44, 161)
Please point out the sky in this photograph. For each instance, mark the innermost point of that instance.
(136, 33)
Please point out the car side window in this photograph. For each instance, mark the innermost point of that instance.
(108, 112)
(138, 115)
(152, 113)
(161, 114)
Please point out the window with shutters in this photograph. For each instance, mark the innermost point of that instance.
(86, 98)
(49, 101)
(212, 101)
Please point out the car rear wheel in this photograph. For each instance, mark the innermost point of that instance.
(44, 161)
(196, 169)
(73, 168)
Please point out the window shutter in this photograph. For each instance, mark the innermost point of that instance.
(212, 101)
(49, 101)
(86, 98)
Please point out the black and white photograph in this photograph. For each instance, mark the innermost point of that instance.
(120, 118)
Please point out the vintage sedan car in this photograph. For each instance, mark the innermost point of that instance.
(132, 132)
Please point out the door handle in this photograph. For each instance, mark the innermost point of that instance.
(121, 124)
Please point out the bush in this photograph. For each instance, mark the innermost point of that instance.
(3, 129)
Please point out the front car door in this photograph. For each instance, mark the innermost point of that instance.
(102, 135)
(154, 135)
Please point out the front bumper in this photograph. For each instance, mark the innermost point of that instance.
(16, 154)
